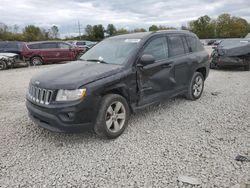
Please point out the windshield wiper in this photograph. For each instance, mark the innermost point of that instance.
(97, 60)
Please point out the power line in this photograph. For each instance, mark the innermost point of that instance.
(79, 27)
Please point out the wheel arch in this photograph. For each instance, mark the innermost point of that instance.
(120, 90)
(203, 71)
(36, 55)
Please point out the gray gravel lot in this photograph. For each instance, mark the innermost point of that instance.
(178, 137)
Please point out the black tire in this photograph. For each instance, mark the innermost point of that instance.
(191, 95)
(36, 61)
(3, 65)
(104, 117)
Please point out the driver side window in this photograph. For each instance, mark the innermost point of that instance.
(158, 48)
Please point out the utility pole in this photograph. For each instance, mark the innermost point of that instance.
(79, 29)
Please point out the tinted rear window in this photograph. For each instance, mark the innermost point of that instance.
(49, 45)
(177, 47)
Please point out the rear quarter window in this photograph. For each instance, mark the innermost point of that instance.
(194, 44)
(176, 46)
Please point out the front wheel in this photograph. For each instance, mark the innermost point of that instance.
(196, 87)
(3, 65)
(112, 118)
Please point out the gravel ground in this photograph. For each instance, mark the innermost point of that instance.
(178, 137)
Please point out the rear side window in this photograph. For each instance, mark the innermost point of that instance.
(64, 46)
(158, 48)
(49, 45)
(194, 44)
(33, 46)
(177, 47)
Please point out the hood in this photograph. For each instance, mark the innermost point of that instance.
(74, 75)
(234, 50)
(8, 54)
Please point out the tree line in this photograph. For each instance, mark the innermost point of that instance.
(224, 26)
(29, 33)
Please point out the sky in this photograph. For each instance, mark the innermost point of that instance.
(128, 14)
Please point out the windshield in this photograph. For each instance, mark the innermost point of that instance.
(111, 51)
(10, 46)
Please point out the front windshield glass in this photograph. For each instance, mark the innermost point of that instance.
(111, 51)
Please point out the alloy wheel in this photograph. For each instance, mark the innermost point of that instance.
(197, 86)
(2, 65)
(115, 117)
(36, 61)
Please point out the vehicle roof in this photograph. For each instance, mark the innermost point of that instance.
(141, 35)
(38, 42)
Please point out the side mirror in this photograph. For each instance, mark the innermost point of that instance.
(147, 59)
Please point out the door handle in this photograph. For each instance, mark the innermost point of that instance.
(166, 65)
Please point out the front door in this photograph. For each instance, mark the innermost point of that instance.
(155, 80)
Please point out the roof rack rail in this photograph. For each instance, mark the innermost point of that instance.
(175, 30)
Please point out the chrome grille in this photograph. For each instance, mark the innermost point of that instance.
(40, 95)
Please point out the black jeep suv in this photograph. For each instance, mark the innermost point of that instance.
(118, 76)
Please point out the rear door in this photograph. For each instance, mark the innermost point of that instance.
(182, 60)
(200, 56)
(49, 51)
(156, 80)
(66, 52)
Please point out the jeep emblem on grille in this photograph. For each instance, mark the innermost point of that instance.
(37, 82)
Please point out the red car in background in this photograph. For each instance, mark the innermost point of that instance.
(50, 51)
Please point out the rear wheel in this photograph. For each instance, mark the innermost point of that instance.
(3, 65)
(113, 116)
(196, 86)
(36, 61)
